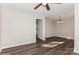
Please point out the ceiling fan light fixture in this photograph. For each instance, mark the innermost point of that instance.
(44, 4)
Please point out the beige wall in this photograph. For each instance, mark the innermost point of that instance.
(66, 29)
(49, 28)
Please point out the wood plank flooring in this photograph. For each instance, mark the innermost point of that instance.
(36, 48)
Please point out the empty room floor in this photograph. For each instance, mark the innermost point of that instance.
(36, 49)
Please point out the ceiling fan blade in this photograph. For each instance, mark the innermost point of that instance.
(38, 6)
(47, 6)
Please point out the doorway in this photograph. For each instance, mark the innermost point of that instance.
(39, 30)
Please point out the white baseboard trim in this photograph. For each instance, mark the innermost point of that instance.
(23, 43)
(76, 51)
(66, 37)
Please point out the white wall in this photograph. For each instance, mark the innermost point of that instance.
(66, 29)
(17, 27)
(76, 42)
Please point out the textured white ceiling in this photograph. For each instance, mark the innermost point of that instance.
(56, 10)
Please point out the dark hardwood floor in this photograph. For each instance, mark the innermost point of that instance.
(36, 49)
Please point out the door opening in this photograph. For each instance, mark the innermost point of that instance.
(39, 30)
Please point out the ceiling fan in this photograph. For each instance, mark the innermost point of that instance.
(44, 5)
